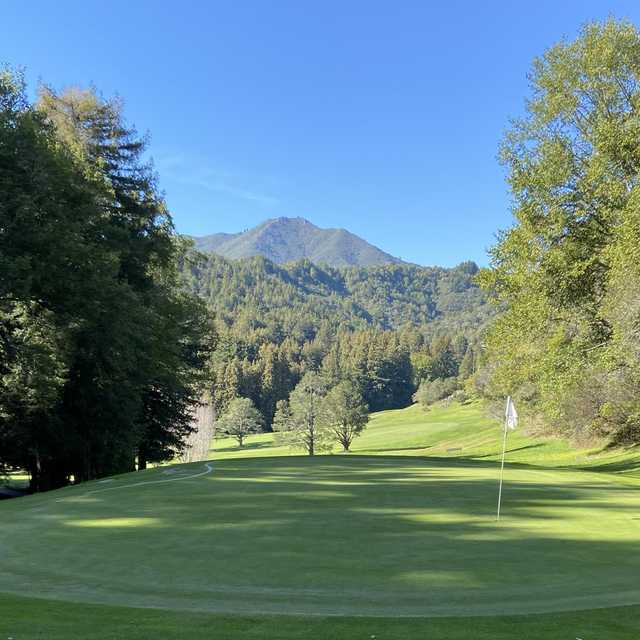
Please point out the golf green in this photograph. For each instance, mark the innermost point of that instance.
(406, 544)
(376, 536)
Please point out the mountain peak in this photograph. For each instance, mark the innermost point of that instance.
(288, 239)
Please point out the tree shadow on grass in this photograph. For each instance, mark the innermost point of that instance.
(247, 446)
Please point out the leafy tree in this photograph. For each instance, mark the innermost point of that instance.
(564, 275)
(178, 370)
(347, 412)
(102, 350)
(302, 423)
(240, 419)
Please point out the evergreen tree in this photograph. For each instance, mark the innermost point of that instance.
(101, 349)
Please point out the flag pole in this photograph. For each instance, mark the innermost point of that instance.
(504, 449)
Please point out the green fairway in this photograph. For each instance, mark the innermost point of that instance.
(404, 544)
(458, 431)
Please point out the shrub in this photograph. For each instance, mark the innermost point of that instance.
(430, 392)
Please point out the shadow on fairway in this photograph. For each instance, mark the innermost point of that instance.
(247, 446)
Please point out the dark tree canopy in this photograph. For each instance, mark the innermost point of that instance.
(103, 352)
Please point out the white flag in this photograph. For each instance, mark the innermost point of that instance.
(511, 414)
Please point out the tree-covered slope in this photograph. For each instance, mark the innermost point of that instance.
(299, 296)
(289, 239)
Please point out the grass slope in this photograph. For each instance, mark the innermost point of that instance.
(458, 431)
(381, 540)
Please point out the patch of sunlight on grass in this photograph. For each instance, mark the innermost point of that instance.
(317, 495)
(442, 517)
(98, 523)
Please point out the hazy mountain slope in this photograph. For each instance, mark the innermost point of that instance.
(289, 239)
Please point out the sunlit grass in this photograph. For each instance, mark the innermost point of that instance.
(118, 523)
(456, 431)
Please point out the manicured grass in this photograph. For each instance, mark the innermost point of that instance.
(15, 480)
(33, 619)
(398, 539)
(458, 431)
(332, 535)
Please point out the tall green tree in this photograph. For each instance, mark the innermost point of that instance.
(573, 164)
(101, 348)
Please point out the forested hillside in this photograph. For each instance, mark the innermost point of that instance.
(385, 328)
(296, 298)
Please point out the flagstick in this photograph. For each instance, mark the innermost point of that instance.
(504, 449)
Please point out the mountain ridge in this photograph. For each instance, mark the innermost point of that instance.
(284, 240)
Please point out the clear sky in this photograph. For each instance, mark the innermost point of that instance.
(380, 117)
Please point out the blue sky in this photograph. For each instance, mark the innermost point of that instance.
(380, 117)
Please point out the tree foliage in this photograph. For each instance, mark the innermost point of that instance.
(431, 391)
(240, 419)
(303, 422)
(347, 412)
(103, 352)
(566, 274)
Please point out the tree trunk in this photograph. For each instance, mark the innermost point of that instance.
(45, 476)
(142, 459)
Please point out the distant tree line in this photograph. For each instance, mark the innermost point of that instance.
(103, 352)
(383, 330)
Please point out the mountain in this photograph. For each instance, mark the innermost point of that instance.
(284, 240)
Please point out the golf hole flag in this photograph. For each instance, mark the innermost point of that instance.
(510, 423)
(511, 415)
